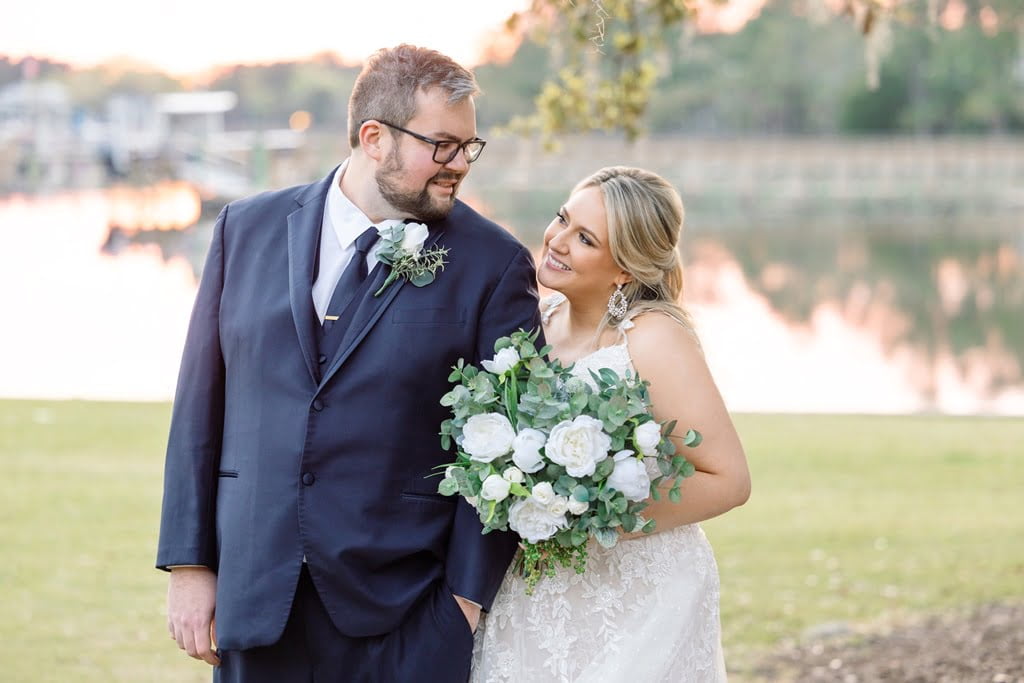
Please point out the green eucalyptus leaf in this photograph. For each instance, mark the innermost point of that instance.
(422, 278)
(448, 487)
(619, 504)
(606, 537)
(604, 468)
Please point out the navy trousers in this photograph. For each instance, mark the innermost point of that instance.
(433, 645)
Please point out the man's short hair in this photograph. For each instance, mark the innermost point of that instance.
(386, 87)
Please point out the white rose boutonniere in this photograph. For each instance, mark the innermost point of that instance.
(401, 247)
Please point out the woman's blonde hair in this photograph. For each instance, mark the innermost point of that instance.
(645, 220)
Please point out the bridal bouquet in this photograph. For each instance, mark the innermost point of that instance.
(553, 457)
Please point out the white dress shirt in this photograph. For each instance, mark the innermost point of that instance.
(343, 222)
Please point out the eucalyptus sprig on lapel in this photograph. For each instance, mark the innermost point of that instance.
(401, 247)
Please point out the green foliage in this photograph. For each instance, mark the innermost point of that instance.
(626, 65)
(959, 81)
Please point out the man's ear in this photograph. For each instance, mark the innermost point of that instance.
(371, 140)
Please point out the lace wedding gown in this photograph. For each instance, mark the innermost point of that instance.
(645, 611)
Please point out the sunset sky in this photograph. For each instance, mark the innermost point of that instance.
(190, 36)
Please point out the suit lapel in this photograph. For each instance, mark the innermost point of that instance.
(303, 242)
(371, 308)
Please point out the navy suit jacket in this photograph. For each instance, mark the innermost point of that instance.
(267, 464)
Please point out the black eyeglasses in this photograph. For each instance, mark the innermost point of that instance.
(444, 150)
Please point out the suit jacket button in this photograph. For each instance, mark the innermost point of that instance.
(318, 405)
(308, 478)
(322, 359)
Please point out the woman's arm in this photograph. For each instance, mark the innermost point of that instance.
(668, 356)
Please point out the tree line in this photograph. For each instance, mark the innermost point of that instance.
(785, 72)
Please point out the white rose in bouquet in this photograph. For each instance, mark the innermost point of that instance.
(543, 492)
(495, 488)
(559, 506)
(415, 236)
(502, 362)
(578, 445)
(487, 436)
(526, 450)
(532, 520)
(513, 475)
(578, 507)
(630, 477)
(647, 437)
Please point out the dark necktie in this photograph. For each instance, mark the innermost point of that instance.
(349, 284)
(350, 279)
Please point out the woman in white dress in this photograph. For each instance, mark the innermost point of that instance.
(647, 609)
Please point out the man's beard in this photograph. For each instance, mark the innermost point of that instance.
(419, 204)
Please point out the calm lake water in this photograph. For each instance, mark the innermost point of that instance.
(855, 315)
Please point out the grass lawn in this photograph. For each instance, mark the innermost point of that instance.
(868, 520)
(855, 519)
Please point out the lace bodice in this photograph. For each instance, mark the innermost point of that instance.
(645, 610)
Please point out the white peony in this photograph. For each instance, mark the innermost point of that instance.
(578, 445)
(495, 488)
(526, 450)
(647, 437)
(487, 436)
(578, 507)
(559, 506)
(415, 236)
(630, 477)
(513, 475)
(543, 493)
(532, 520)
(502, 362)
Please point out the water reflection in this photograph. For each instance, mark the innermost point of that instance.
(84, 323)
(872, 319)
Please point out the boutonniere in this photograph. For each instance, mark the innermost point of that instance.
(401, 247)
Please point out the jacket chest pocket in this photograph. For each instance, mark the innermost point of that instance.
(428, 316)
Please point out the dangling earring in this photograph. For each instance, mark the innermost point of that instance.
(617, 303)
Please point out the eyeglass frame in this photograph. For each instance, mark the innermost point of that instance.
(437, 143)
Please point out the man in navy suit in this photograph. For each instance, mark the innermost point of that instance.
(299, 526)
